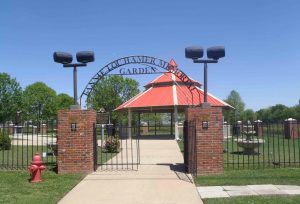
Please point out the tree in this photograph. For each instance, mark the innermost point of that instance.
(111, 92)
(10, 97)
(296, 111)
(64, 101)
(152, 118)
(264, 114)
(39, 102)
(278, 113)
(235, 100)
(248, 114)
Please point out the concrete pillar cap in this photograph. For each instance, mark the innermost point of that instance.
(290, 119)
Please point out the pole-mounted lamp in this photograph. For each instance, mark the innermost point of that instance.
(213, 55)
(66, 59)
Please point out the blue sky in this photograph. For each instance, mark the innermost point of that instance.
(261, 39)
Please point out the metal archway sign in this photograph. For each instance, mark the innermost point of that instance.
(152, 66)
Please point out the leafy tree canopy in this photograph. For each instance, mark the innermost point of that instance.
(111, 92)
(235, 100)
(10, 97)
(64, 101)
(278, 113)
(296, 111)
(39, 102)
(248, 114)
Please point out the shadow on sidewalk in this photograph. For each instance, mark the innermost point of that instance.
(180, 171)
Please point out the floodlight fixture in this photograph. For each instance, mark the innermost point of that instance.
(194, 52)
(85, 56)
(213, 55)
(216, 52)
(62, 57)
(66, 59)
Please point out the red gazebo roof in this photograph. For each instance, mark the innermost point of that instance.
(166, 78)
(168, 90)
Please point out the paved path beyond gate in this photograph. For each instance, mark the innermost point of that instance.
(159, 180)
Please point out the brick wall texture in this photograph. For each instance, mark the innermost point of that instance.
(209, 142)
(75, 148)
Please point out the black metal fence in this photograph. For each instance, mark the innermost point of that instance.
(118, 148)
(19, 143)
(261, 145)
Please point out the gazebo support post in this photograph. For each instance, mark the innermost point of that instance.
(176, 123)
(172, 123)
(139, 124)
(129, 122)
(155, 124)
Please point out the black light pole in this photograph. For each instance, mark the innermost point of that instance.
(75, 85)
(75, 78)
(83, 58)
(205, 82)
(213, 55)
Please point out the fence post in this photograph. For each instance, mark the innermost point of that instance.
(291, 128)
(258, 128)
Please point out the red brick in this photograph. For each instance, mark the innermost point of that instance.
(75, 149)
(209, 143)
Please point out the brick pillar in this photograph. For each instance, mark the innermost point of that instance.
(11, 129)
(43, 129)
(75, 147)
(291, 128)
(209, 142)
(258, 128)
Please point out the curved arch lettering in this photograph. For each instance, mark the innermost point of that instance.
(153, 65)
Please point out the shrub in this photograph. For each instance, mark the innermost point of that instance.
(5, 141)
(112, 145)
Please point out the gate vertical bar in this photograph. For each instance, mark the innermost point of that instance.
(95, 146)
(185, 144)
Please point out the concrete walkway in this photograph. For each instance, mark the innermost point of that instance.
(159, 180)
(249, 190)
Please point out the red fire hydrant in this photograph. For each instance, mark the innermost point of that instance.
(35, 168)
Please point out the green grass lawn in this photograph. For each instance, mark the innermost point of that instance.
(255, 200)
(275, 149)
(103, 157)
(159, 130)
(283, 152)
(281, 176)
(15, 187)
(21, 156)
(254, 175)
(250, 175)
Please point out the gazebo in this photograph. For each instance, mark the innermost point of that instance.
(167, 93)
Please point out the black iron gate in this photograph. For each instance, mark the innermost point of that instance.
(190, 156)
(116, 148)
(95, 146)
